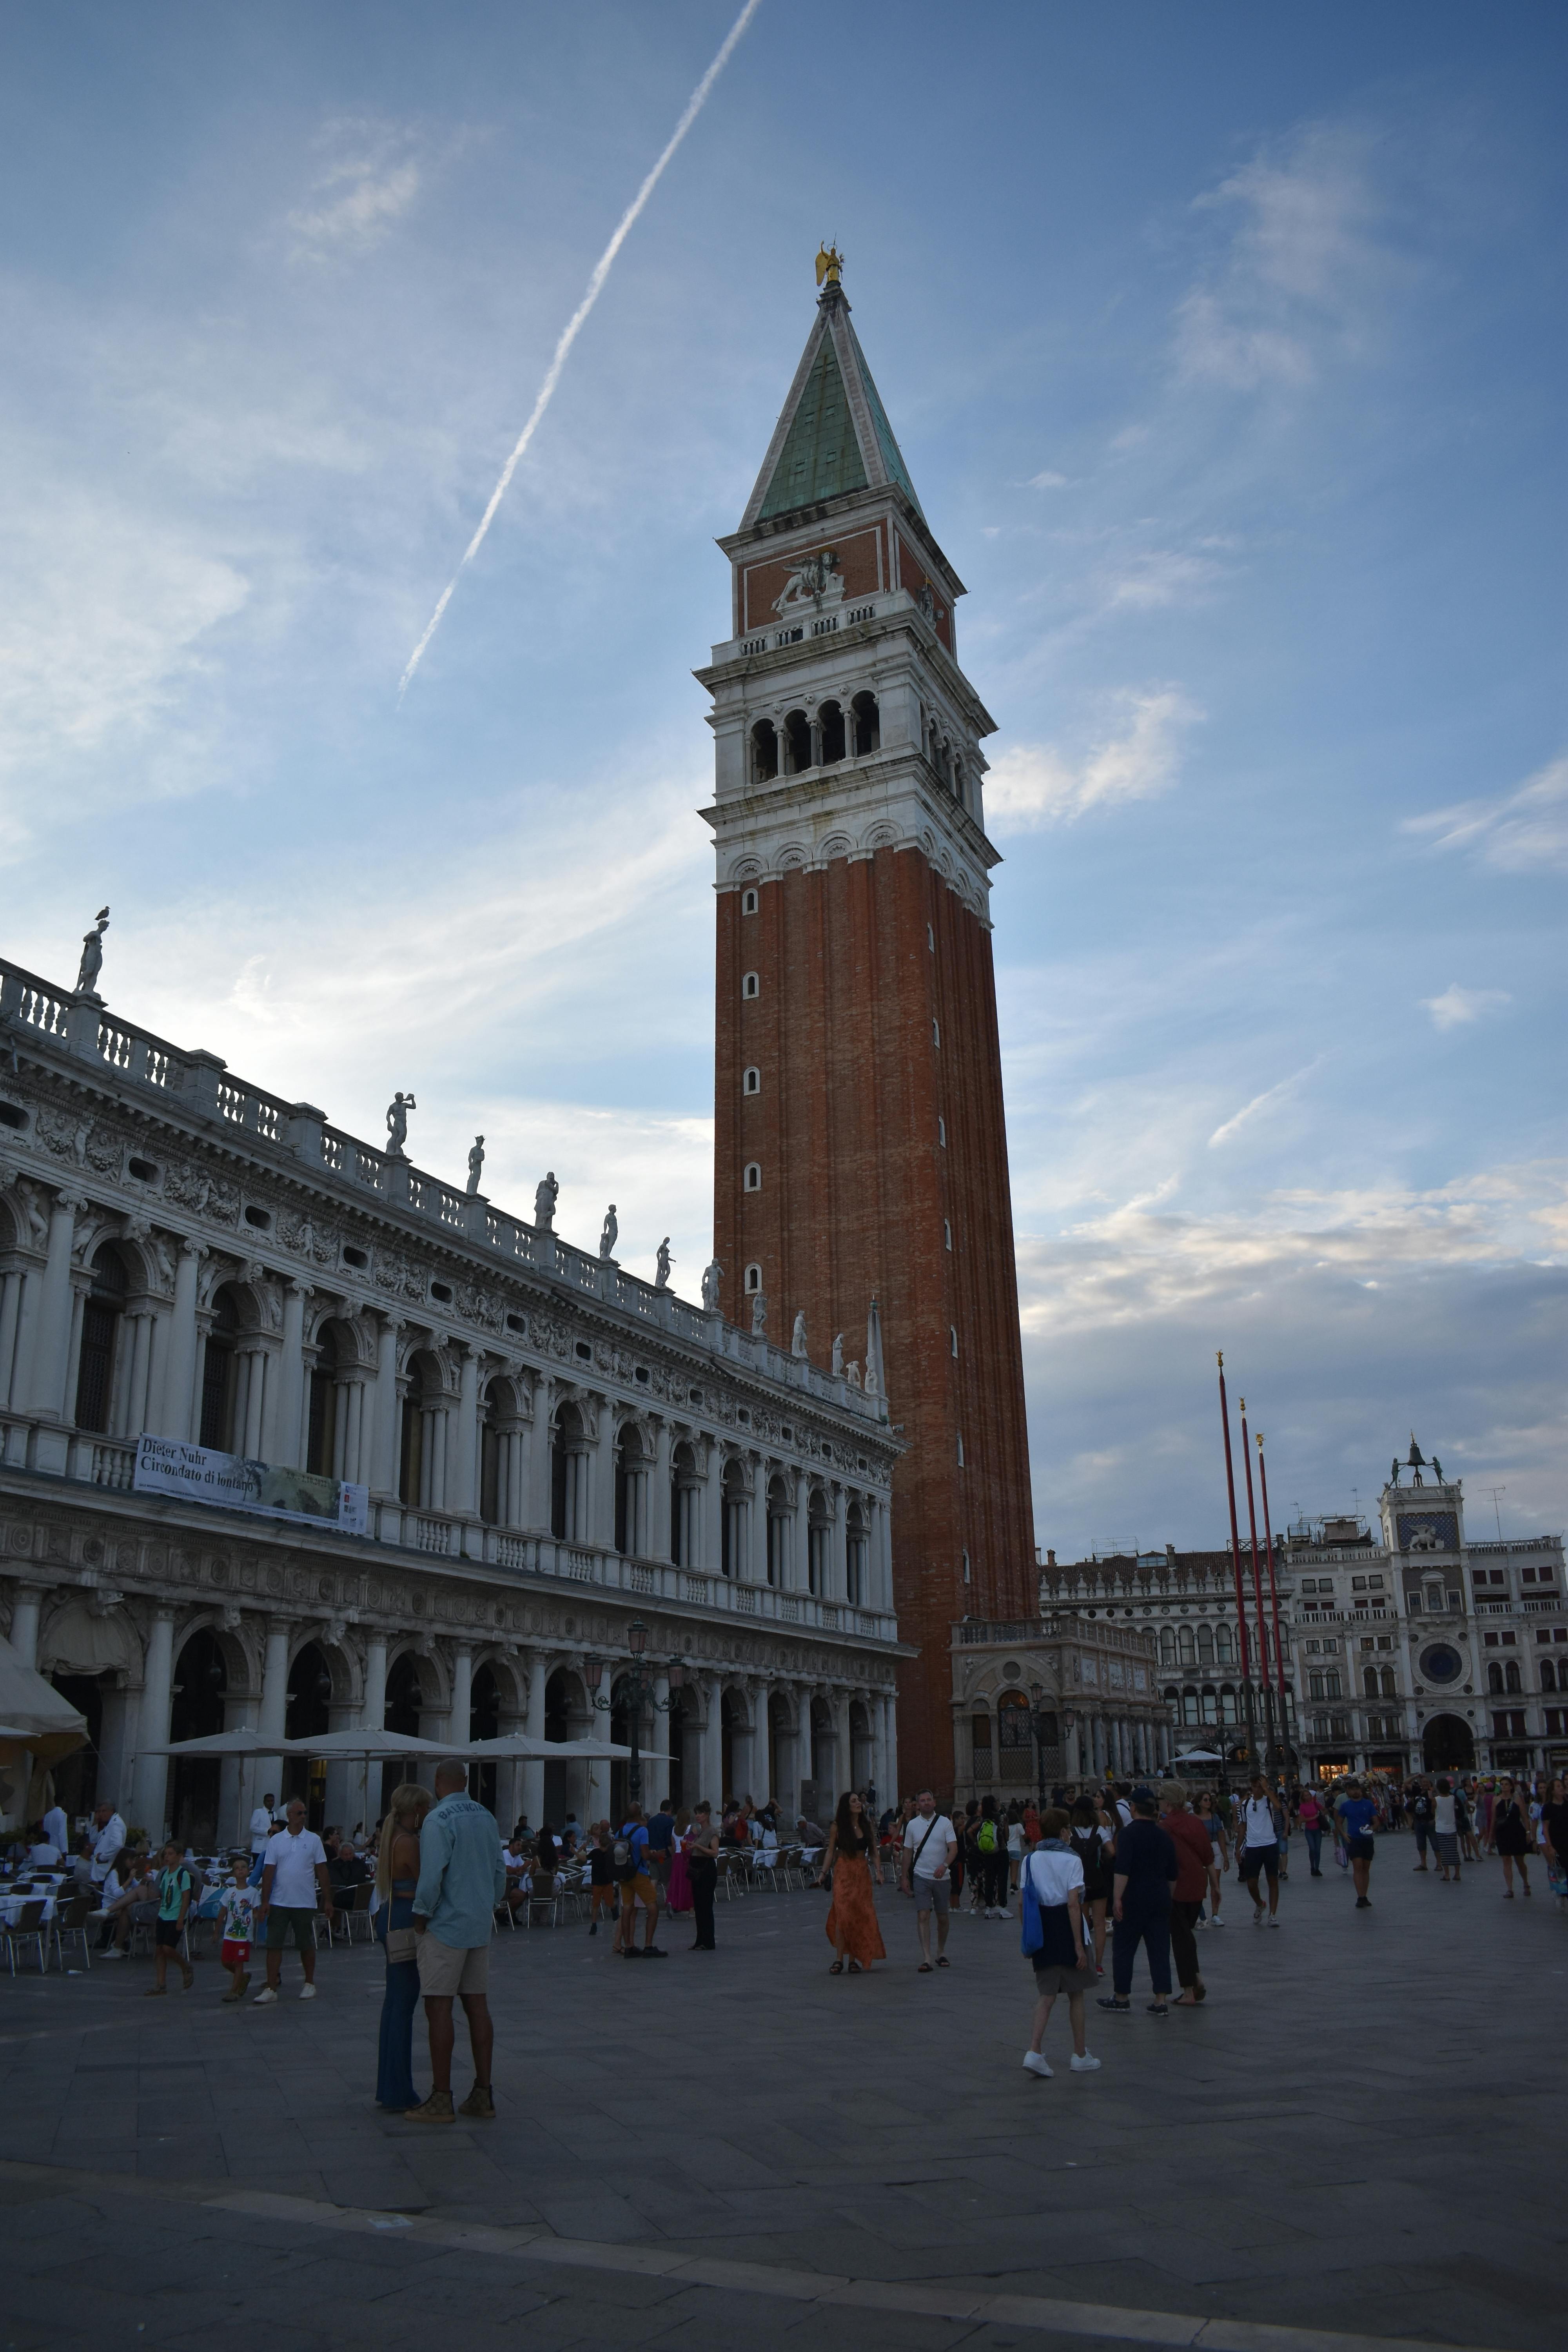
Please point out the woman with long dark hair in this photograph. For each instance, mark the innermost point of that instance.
(1511, 1830)
(851, 1855)
(397, 1876)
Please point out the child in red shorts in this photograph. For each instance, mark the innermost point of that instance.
(236, 1909)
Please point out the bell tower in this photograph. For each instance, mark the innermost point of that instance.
(860, 1146)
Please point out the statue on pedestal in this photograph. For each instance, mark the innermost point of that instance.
(852, 1374)
(398, 1112)
(546, 1194)
(712, 1273)
(476, 1162)
(839, 1355)
(93, 956)
(662, 1264)
(608, 1233)
(759, 1316)
(797, 1337)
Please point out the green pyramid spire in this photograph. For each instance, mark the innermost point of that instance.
(834, 435)
(820, 456)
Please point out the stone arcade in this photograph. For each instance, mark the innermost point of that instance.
(552, 1449)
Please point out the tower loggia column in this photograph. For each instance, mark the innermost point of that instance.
(151, 1783)
(52, 1337)
(274, 1704)
(534, 1771)
(177, 1405)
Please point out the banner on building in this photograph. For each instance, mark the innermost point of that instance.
(165, 1465)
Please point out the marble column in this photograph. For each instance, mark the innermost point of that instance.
(843, 1757)
(537, 1514)
(712, 1511)
(463, 1469)
(757, 1527)
(713, 1769)
(534, 1771)
(274, 1706)
(52, 1339)
(462, 1696)
(151, 1800)
(658, 1529)
(388, 1412)
(24, 1635)
(283, 1411)
(761, 1762)
(177, 1405)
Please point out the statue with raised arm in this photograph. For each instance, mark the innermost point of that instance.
(759, 1316)
(476, 1162)
(92, 955)
(662, 1264)
(839, 1355)
(609, 1232)
(546, 1194)
(397, 1112)
(712, 1275)
(797, 1337)
(1436, 1470)
(1394, 1474)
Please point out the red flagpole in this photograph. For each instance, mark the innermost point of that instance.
(1257, 1564)
(1273, 1588)
(1240, 1589)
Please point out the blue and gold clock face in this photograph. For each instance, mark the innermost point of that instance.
(1441, 1664)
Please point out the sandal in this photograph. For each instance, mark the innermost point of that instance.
(855, 1969)
(943, 1961)
(923, 1969)
(837, 1969)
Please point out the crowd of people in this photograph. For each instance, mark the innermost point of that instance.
(1095, 1866)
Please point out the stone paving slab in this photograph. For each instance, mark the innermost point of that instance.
(1344, 2138)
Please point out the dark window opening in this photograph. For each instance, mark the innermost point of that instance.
(765, 752)
(11, 1117)
(867, 724)
(831, 719)
(442, 1291)
(353, 1256)
(143, 1171)
(259, 1218)
(797, 739)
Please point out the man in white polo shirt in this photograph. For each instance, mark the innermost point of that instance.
(107, 1838)
(294, 1885)
(930, 1845)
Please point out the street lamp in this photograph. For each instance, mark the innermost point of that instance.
(638, 1695)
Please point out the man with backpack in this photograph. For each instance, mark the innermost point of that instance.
(991, 1854)
(629, 1869)
(930, 1847)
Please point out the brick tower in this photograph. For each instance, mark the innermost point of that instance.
(860, 1146)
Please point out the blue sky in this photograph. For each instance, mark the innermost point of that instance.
(1226, 348)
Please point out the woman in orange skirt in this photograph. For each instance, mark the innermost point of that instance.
(851, 1855)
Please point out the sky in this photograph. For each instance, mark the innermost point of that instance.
(1226, 348)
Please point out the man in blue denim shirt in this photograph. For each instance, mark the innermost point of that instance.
(461, 1880)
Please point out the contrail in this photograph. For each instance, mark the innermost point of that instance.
(694, 106)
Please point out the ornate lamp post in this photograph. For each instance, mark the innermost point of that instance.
(639, 1694)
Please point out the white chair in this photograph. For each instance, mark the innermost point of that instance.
(29, 1927)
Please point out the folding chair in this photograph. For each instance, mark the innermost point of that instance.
(28, 1927)
(72, 1921)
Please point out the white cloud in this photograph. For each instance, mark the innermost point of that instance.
(1522, 833)
(1458, 1005)
(1159, 578)
(1300, 274)
(1259, 1103)
(374, 176)
(1048, 481)
(1036, 783)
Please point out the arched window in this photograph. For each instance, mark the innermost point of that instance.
(684, 1503)
(778, 1533)
(751, 985)
(1167, 1646)
(856, 1551)
(568, 1477)
(217, 1372)
(631, 1491)
(1205, 1644)
(764, 755)
(733, 1527)
(830, 727)
(797, 742)
(1547, 1678)
(818, 1543)
(752, 1181)
(1369, 1681)
(1223, 1646)
(867, 724)
(1511, 1678)
(100, 1315)
(748, 902)
(752, 1082)
(1189, 1647)
(1390, 1686)
(1189, 1706)
(1494, 1678)
(754, 1279)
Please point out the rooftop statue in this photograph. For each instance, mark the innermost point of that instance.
(397, 1112)
(609, 1232)
(546, 1193)
(662, 1264)
(797, 1337)
(759, 1314)
(476, 1162)
(92, 955)
(829, 264)
(712, 1275)
(839, 1355)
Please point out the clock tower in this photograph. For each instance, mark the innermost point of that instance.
(860, 1145)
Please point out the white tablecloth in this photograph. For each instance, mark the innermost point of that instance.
(11, 1905)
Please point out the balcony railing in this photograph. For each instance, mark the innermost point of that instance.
(110, 1463)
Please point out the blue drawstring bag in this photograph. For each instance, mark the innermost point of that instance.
(1032, 1933)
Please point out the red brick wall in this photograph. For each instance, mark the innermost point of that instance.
(913, 575)
(855, 1191)
(860, 559)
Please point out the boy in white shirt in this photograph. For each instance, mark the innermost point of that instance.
(237, 1910)
(1052, 1877)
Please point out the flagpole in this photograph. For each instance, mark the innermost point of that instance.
(1240, 1589)
(1258, 1587)
(1273, 1587)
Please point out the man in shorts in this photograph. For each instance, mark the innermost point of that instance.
(294, 1885)
(462, 1877)
(638, 1884)
(930, 1847)
(1259, 1852)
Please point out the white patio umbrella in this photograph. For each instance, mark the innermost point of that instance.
(1198, 1756)
(245, 1741)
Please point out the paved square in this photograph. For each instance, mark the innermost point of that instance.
(1361, 2132)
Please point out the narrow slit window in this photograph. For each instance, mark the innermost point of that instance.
(935, 1032)
(751, 985)
(748, 902)
(753, 1178)
(942, 1131)
(946, 1234)
(752, 1083)
(952, 1335)
(754, 1280)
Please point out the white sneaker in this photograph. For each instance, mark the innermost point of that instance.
(1216, 1921)
(264, 1998)
(114, 1953)
(1088, 2064)
(1273, 1922)
(1034, 2064)
(307, 1992)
